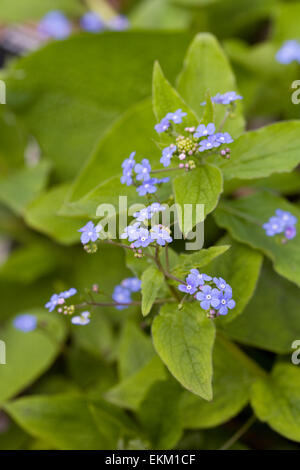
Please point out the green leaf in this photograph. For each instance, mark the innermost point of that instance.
(28, 263)
(197, 259)
(207, 68)
(200, 186)
(42, 215)
(271, 319)
(244, 219)
(12, 11)
(159, 14)
(276, 400)
(159, 414)
(257, 154)
(184, 340)
(29, 183)
(167, 100)
(152, 281)
(240, 267)
(29, 354)
(75, 88)
(130, 392)
(135, 350)
(69, 421)
(231, 386)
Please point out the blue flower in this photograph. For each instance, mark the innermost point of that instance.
(82, 319)
(132, 283)
(162, 126)
(121, 295)
(222, 284)
(53, 302)
(199, 279)
(131, 232)
(128, 166)
(274, 226)
(92, 22)
(290, 232)
(25, 322)
(189, 288)
(176, 117)
(144, 239)
(143, 170)
(225, 302)
(161, 235)
(208, 297)
(203, 131)
(118, 23)
(209, 143)
(89, 233)
(55, 24)
(289, 52)
(167, 155)
(224, 138)
(226, 98)
(286, 217)
(68, 293)
(148, 212)
(148, 187)
(161, 180)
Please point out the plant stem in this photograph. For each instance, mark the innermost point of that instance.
(166, 275)
(240, 432)
(116, 304)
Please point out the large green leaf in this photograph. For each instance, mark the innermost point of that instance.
(240, 267)
(184, 340)
(69, 421)
(276, 400)
(135, 350)
(12, 11)
(29, 354)
(159, 414)
(130, 392)
(167, 100)
(75, 89)
(231, 386)
(28, 263)
(257, 154)
(270, 320)
(244, 219)
(197, 259)
(200, 186)
(201, 72)
(152, 282)
(42, 215)
(21, 188)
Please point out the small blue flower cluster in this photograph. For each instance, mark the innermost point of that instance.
(93, 23)
(225, 98)
(217, 300)
(289, 52)
(142, 170)
(138, 233)
(122, 292)
(56, 25)
(25, 322)
(282, 222)
(198, 140)
(59, 300)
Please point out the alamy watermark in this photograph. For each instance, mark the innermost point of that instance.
(186, 222)
(296, 354)
(2, 352)
(2, 92)
(296, 94)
